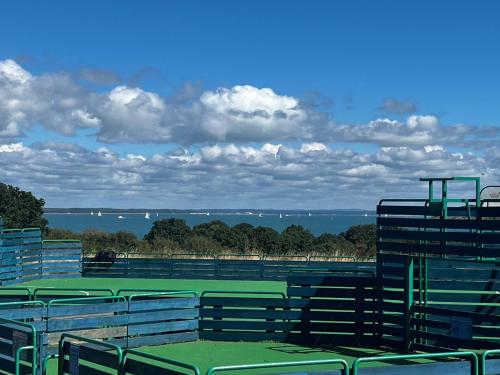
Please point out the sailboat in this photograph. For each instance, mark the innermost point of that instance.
(99, 213)
(309, 214)
(92, 213)
(281, 216)
(147, 215)
(157, 214)
(260, 215)
(208, 214)
(366, 214)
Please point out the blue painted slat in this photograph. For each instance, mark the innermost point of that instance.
(75, 310)
(151, 316)
(74, 323)
(162, 327)
(171, 338)
(164, 303)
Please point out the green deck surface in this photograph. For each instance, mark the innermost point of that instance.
(207, 354)
(164, 284)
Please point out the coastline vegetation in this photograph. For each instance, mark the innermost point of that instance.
(174, 236)
(20, 209)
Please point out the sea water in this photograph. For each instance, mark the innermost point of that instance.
(318, 223)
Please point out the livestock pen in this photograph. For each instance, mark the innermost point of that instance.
(428, 303)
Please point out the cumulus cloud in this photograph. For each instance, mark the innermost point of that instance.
(415, 131)
(245, 112)
(239, 114)
(53, 101)
(228, 175)
(129, 114)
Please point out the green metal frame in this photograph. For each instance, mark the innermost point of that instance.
(20, 288)
(341, 362)
(66, 336)
(66, 300)
(160, 294)
(472, 356)
(408, 303)
(128, 352)
(32, 347)
(444, 199)
(41, 289)
(484, 357)
(204, 293)
(155, 292)
(330, 270)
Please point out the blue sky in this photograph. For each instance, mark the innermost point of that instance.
(382, 92)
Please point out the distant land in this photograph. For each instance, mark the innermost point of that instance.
(79, 210)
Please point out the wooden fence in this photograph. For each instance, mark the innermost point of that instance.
(211, 268)
(129, 322)
(25, 257)
(406, 229)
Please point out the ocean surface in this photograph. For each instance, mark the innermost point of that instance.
(335, 221)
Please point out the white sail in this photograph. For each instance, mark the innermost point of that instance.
(146, 216)
(99, 213)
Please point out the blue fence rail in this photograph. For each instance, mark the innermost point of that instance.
(174, 267)
(24, 256)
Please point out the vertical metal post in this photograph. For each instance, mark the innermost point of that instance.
(444, 198)
(408, 303)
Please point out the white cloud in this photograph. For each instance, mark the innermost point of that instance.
(53, 101)
(313, 147)
(249, 113)
(416, 131)
(12, 73)
(131, 115)
(14, 147)
(239, 114)
(230, 175)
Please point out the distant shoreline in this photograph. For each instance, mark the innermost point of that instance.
(201, 211)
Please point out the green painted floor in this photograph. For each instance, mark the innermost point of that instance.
(164, 284)
(208, 354)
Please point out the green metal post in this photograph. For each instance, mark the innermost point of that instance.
(408, 303)
(444, 198)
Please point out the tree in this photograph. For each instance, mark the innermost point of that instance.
(173, 229)
(202, 245)
(20, 209)
(218, 231)
(267, 240)
(296, 239)
(329, 244)
(364, 238)
(245, 236)
(123, 241)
